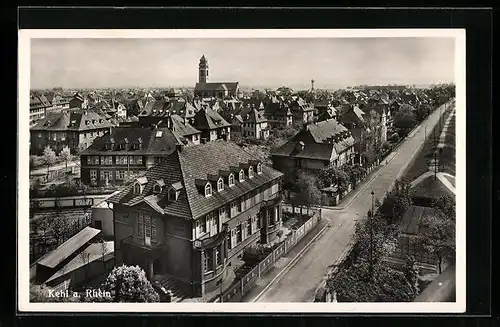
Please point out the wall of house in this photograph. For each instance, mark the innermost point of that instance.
(105, 216)
(312, 164)
(123, 228)
(179, 248)
(132, 168)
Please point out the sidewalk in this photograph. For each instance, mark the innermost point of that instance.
(285, 262)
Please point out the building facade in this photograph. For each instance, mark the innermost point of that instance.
(191, 216)
(124, 152)
(212, 125)
(315, 147)
(75, 129)
(251, 124)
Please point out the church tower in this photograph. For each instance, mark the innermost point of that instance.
(203, 70)
(312, 85)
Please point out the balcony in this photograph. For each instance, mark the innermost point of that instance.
(207, 241)
(272, 200)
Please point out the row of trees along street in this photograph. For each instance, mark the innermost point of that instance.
(366, 277)
(123, 284)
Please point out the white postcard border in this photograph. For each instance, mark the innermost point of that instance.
(23, 172)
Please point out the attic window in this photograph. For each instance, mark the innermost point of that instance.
(242, 176)
(259, 168)
(208, 190)
(231, 180)
(93, 121)
(137, 188)
(250, 172)
(100, 121)
(172, 195)
(220, 185)
(87, 122)
(159, 133)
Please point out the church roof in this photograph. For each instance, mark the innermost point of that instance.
(230, 86)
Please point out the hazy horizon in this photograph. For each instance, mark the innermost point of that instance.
(257, 63)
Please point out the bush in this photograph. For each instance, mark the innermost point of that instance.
(252, 255)
(394, 138)
(129, 284)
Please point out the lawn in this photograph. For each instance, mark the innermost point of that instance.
(419, 164)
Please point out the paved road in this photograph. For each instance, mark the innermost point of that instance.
(301, 281)
(43, 170)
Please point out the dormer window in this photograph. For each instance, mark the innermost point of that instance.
(259, 168)
(242, 175)
(137, 188)
(157, 189)
(231, 180)
(220, 185)
(172, 195)
(100, 121)
(250, 172)
(208, 190)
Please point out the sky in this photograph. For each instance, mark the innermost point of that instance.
(331, 62)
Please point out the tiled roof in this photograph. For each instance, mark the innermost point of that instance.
(194, 164)
(72, 121)
(253, 116)
(324, 130)
(318, 142)
(181, 127)
(231, 86)
(160, 141)
(209, 119)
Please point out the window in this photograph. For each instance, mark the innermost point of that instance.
(157, 189)
(95, 160)
(250, 172)
(121, 160)
(140, 226)
(218, 258)
(137, 188)
(208, 189)
(234, 209)
(258, 222)
(106, 175)
(242, 175)
(201, 226)
(222, 214)
(239, 234)
(208, 261)
(213, 223)
(269, 218)
(89, 160)
(172, 195)
(139, 160)
(220, 184)
(249, 227)
(231, 180)
(153, 229)
(93, 174)
(259, 168)
(120, 174)
(108, 160)
(39, 135)
(243, 203)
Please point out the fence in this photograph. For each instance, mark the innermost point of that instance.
(67, 202)
(235, 292)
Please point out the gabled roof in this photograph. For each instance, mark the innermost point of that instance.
(218, 86)
(151, 144)
(194, 164)
(80, 120)
(324, 130)
(182, 128)
(209, 119)
(253, 116)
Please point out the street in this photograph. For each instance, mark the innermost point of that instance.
(301, 281)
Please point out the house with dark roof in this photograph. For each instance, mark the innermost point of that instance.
(78, 101)
(38, 109)
(315, 147)
(213, 89)
(211, 125)
(302, 110)
(75, 129)
(250, 123)
(278, 113)
(186, 220)
(126, 151)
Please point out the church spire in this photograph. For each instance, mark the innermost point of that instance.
(203, 70)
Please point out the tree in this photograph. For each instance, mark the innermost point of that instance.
(103, 247)
(410, 271)
(437, 235)
(309, 193)
(48, 158)
(332, 175)
(422, 112)
(405, 118)
(355, 173)
(66, 156)
(396, 202)
(359, 284)
(252, 255)
(129, 284)
(60, 228)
